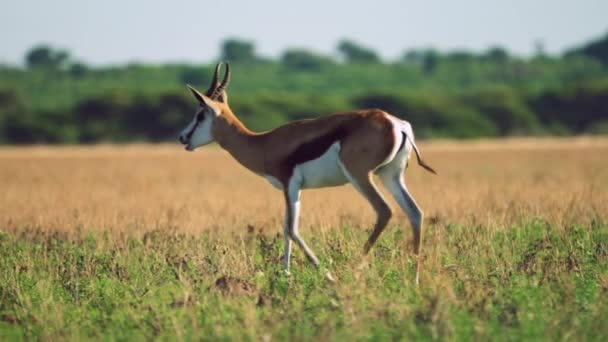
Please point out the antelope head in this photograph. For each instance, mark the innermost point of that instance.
(199, 130)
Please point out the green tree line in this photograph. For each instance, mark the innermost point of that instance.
(456, 94)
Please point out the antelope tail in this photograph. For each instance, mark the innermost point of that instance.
(420, 161)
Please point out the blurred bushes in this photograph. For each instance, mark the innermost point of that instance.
(457, 94)
(579, 108)
(304, 60)
(490, 111)
(508, 112)
(133, 117)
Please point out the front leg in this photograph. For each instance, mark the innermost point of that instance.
(287, 252)
(292, 202)
(292, 215)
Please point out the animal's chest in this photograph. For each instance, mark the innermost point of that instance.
(324, 171)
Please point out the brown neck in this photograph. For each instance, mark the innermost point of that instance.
(244, 145)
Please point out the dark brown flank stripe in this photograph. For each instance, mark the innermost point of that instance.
(314, 149)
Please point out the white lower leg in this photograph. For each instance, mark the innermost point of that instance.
(287, 251)
(292, 220)
(309, 253)
(395, 185)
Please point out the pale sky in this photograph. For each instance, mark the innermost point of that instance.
(121, 31)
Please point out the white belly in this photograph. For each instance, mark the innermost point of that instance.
(322, 172)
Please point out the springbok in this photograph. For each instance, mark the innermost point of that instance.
(327, 151)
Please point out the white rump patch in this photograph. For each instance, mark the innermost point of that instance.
(398, 137)
(398, 158)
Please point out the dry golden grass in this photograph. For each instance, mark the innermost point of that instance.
(141, 187)
(514, 246)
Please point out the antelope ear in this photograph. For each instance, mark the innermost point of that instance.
(199, 97)
(203, 100)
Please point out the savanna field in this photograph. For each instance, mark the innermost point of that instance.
(137, 242)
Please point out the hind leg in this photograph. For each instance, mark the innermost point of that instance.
(362, 181)
(394, 183)
(361, 153)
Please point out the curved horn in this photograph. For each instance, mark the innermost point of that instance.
(225, 82)
(215, 81)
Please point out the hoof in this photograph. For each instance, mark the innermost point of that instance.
(330, 277)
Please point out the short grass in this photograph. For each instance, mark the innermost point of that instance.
(143, 242)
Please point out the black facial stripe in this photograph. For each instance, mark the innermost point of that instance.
(199, 118)
(189, 134)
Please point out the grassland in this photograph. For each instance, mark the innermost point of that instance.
(148, 241)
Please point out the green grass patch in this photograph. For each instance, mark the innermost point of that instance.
(529, 282)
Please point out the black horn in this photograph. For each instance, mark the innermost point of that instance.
(215, 81)
(222, 87)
